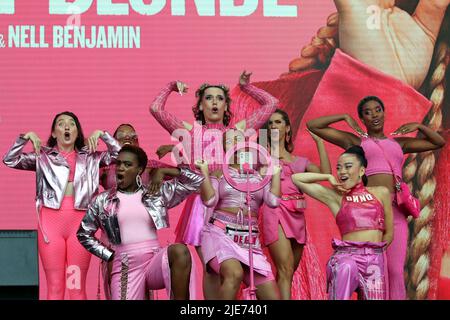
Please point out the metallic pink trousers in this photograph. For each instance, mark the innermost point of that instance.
(357, 267)
(143, 266)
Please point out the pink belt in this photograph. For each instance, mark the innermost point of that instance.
(238, 233)
(300, 201)
(360, 250)
(231, 218)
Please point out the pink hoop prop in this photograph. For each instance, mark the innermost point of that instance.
(250, 186)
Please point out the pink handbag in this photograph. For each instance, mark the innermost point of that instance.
(408, 204)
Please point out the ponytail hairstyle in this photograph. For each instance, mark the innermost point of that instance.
(359, 153)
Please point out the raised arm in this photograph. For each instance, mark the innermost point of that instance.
(109, 156)
(184, 183)
(86, 232)
(268, 104)
(167, 120)
(208, 187)
(431, 14)
(321, 127)
(306, 182)
(16, 159)
(431, 140)
(325, 166)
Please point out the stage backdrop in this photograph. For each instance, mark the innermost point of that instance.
(122, 54)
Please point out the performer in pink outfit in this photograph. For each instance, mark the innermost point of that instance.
(364, 218)
(284, 227)
(130, 217)
(382, 153)
(398, 51)
(125, 134)
(213, 111)
(66, 180)
(225, 237)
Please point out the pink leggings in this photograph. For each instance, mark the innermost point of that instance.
(64, 259)
(396, 255)
(259, 278)
(142, 266)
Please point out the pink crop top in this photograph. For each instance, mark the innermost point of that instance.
(228, 197)
(135, 223)
(360, 210)
(71, 159)
(376, 159)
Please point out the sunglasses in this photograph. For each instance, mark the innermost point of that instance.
(121, 136)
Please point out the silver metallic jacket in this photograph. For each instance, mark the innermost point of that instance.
(102, 211)
(52, 171)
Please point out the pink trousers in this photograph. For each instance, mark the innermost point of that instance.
(142, 266)
(356, 266)
(65, 260)
(396, 255)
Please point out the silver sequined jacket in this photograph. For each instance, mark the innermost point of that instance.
(102, 211)
(52, 171)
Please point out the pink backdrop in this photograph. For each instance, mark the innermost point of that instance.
(106, 87)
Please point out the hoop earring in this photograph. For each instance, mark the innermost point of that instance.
(139, 181)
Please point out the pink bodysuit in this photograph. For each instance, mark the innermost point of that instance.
(64, 249)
